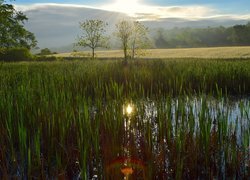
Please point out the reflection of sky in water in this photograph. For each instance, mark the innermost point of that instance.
(147, 112)
(144, 116)
(235, 112)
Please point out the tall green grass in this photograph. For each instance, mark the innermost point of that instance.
(65, 119)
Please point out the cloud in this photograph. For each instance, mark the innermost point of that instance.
(58, 24)
(189, 13)
(145, 12)
(142, 12)
(186, 12)
(36, 6)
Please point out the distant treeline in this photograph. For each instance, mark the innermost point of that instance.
(238, 35)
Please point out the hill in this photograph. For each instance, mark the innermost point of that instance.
(57, 26)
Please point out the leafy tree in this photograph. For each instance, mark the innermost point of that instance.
(241, 35)
(203, 37)
(46, 51)
(16, 54)
(133, 36)
(124, 33)
(139, 39)
(93, 35)
(160, 42)
(12, 31)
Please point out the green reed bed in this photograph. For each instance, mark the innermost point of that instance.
(67, 119)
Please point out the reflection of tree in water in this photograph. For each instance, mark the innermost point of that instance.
(162, 140)
(137, 150)
(124, 155)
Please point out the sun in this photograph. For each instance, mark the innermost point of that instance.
(130, 7)
(127, 3)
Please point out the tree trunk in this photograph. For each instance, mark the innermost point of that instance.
(133, 53)
(133, 50)
(93, 53)
(125, 53)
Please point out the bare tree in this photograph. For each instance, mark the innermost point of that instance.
(93, 35)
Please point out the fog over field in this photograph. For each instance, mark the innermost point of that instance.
(57, 25)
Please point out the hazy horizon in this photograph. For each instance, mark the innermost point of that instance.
(55, 23)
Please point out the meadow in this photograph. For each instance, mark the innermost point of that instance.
(205, 53)
(102, 119)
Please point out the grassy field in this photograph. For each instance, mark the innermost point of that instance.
(216, 52)
(152, 119)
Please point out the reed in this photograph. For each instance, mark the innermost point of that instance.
(66, 119)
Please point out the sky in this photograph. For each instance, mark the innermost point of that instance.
(56, 21)
(222, 6)
(158, 9)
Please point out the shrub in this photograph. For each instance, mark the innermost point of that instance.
(15, 54)
(46, 58)
(46, 51)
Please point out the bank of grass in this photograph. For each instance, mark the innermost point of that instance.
(65, 119)
(148, 77)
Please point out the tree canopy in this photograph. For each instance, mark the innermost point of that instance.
(139, 39)
(12, 30)
(238, 35)
(124, 33)
(133, 37)
(93, 35)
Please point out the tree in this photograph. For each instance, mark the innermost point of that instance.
(93, 35)
(133, 36)
(241, 35)
(46, 51)
(139, 39)
(12, 31)
(16, 54)
(160, 41)
(124, 33)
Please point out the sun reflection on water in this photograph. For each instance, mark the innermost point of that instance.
(128, 109)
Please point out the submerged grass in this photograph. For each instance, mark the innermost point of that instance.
(66, 119)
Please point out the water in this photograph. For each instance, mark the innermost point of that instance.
(154, 130)
(172, 138)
